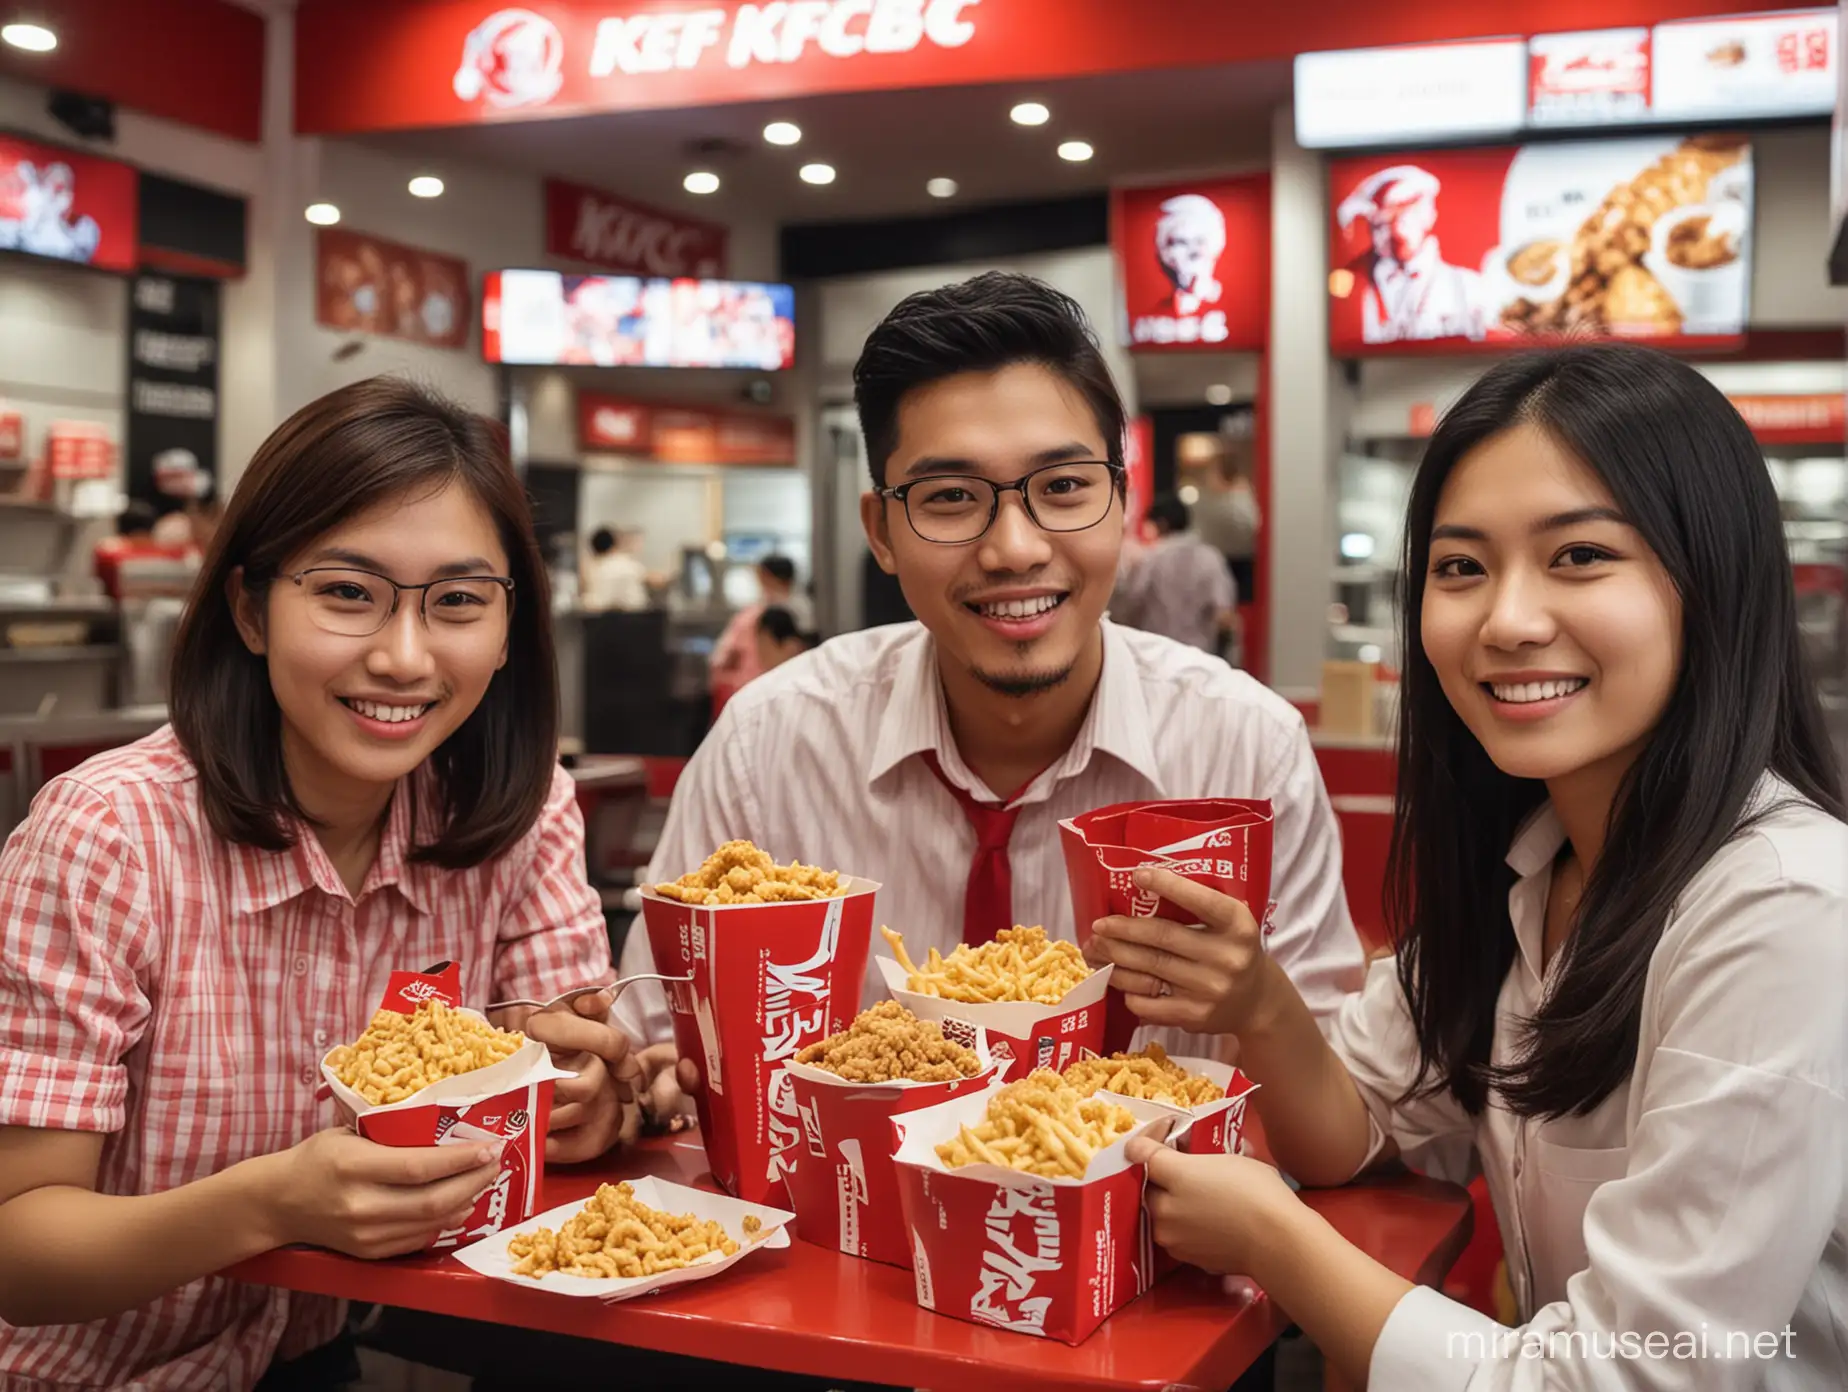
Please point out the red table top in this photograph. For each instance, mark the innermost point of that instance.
(810, 1310)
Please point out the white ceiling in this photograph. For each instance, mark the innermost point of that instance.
(885, 145)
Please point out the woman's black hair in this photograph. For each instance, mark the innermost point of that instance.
(1686, 473)
(778, 624)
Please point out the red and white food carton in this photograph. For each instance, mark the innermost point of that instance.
(1212, 1128)
(509, 1102)
(843, 1187)
(1223, 843)
(491, 1258)
(1022, 1035)
(1049, 1257)
(768, 980)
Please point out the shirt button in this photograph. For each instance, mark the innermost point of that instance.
(308, 1075)
(301, 966)
(320, 1036)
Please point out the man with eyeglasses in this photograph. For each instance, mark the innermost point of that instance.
(939, 756)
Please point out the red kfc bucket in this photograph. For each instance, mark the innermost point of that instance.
(509, 1102)
(843, 1186)
(1222, 843)
(768, 979)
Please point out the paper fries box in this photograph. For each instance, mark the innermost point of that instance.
(843, 1186)
(491, 1258)
(1048, 1257)
(768, 979)
(1212, 1128)
(509, 1102)
(1022, 1035)
(1222, 843)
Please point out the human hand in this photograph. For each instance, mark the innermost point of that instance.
(339, 1190)
(598, 1108)
(1221, 1213)
(669, 1081)
(1210, 979)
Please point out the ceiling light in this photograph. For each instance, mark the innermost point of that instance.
(701, 181)
(817, 173)
(1075, 151)
(1219, 394)
(34, 38)
(426, 186)
(941, 188)
(322, 214)
(782, 132)
(1030, 114)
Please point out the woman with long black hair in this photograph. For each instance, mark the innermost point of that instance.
(1620, 887)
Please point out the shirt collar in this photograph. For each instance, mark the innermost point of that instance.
(267, 879)
(916, 721)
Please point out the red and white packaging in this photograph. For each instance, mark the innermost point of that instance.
(1212, 1128)
(1022, 1035)
(491, 1258)
(510, 1102)
(843, 1187)
(1222, 843)
(768, 980)
(1049, 1257)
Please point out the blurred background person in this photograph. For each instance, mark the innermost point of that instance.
(614, 575)
(734, 656)
(1226, 518)
(780, 638)
(1179, 586)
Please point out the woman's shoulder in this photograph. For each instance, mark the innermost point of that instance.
(151, 773)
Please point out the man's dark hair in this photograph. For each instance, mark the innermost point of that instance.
(779, 568)
(779, 624)
(1170, 514)
(603, 541)
(993, 321)
(363, 446)
(137, 517)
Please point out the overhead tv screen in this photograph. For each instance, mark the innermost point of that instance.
(547, 317)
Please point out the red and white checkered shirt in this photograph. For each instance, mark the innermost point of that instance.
(177, 992)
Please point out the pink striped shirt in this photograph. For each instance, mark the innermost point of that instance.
(177, 992)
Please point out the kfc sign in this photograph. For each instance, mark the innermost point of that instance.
(776, 33)
(582, 224)
(1383, 96)
(68, 206)
(1195, 262)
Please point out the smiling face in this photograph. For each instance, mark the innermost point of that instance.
(1553, 628)
(1018, 608)
(361, 712)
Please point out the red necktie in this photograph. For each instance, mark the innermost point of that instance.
(988, 904)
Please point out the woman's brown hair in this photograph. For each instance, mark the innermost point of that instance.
(332, 460)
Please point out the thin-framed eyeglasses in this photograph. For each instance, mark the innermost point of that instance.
(953, 509)
(359, 603)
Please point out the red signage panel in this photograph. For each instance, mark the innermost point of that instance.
(618, 234)
(684, 434)
(1195, 261)
(68, 205)
(1812, 419)
(1645, 238)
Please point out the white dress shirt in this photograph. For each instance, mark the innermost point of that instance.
(1423, 298)
(819, 760)
(1708, 1194)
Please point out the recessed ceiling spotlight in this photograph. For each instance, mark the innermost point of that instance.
(783, 133)
(941, 188)
(817, 173)
(1030, 114)
(34, 38)
(701, 181)
(322, 214)
(1075, 151)
(426, 186)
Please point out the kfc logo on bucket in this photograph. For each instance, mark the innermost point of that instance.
(513, 58)
(1023, 1243)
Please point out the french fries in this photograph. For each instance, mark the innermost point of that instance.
(402, 1054)
(739, 873)
(887, 1043)
(1019, 965)
(1039, 1125)
(615, 1236)
(1150, 1075)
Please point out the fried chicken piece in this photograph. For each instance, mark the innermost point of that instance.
(739, 873)
(887, 1043)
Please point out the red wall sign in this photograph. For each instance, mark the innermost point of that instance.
(684, 434)
(583, 224)
(68, 205)
(369, 285)
(1501, 247)
(1793, 420)
(365, 66)
(1195, 261)
(12, 434)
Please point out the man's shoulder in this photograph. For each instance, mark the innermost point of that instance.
(1173, 674)
(853, 669)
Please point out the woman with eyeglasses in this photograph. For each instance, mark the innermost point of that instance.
(361, 775)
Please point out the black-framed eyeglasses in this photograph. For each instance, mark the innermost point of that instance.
(953, 509)
(358, 603)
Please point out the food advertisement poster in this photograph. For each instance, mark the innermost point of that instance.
(1646, 238)
(369, 285)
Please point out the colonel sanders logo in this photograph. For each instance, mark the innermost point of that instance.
(513, 58)
(36, 207)
(1189, 240)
